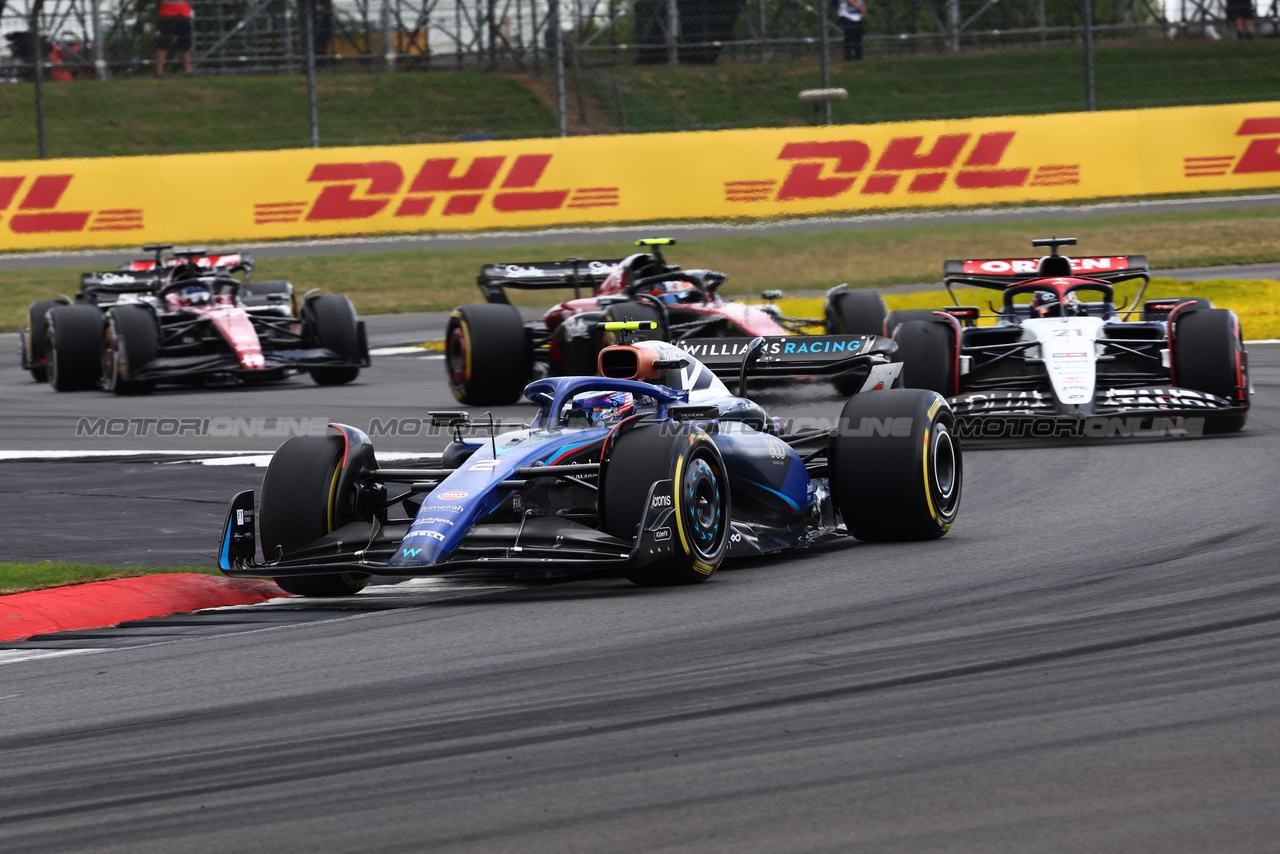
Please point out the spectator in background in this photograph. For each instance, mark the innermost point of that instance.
(849, 15)
(175, 34)
(1241, 12)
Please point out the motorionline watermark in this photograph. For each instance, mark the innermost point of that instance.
(986, 427)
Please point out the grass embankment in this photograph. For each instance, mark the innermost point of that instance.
(434, 280)
(18, 577)
(92, 118)
(896, 88)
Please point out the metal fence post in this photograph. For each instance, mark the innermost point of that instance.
(557, 34)
(1089, 97)
(99, 46)
(309, 36)
(388, 37)
(953, 25)
(673, 32)
(37, 54)
(826, 58)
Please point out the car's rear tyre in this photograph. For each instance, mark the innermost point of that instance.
(906, 315)
(297, 506)
(926, 350)
(1210, 357)
(37, 338)
(904, 485)
(1197, 302)
(333, 325)
(487, 355)
(130, 342)
(73, 340)
(854, 313)
(701, 509)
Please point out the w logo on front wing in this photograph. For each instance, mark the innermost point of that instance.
(412, 552)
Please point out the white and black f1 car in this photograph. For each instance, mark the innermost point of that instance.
(1062, 359)
(491, 352)
(653, 471)
(187, 318)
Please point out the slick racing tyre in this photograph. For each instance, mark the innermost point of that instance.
(854, 313)
(926, 350)
(130, 342)
(333, 325)
(73, 340)
(701, 510)
(298, 506)
(896, 468)
(906, 315)
(487, 355)
(37, 338)
(1209, 356)
(1197, 302)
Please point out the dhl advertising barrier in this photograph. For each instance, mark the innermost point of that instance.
(712, 174)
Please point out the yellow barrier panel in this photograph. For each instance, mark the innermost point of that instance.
(711, 174)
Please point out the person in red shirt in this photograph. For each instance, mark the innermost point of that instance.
(175, 34)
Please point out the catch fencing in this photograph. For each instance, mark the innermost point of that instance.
(274, 74)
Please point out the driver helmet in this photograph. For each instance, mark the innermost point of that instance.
(196, 295)
(1046, 304)
(601, 408)
(670, 293)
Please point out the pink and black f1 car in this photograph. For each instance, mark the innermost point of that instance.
(491, 353)
(186, 318)
(1062, 359)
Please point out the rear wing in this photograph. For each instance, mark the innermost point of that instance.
(205, 262)
(1000, 273)
(574, 273)
(786, 356)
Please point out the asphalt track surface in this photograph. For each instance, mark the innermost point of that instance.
(1086, 663)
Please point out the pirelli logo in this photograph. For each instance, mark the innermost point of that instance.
(911, 164)
(444, 186)
(33, 205)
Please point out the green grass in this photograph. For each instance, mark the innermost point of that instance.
(17, 577)
(898, 88)
(433, 280)
(150, 116)
(170, 115)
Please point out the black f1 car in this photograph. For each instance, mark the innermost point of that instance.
(491, 353)
(187, 318)
(1062, 359)
(653, 471)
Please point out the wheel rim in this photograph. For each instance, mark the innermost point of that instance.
(944, 462)
(702, 506)
(456, 355)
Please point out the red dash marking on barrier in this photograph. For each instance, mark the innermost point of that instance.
(108, 603)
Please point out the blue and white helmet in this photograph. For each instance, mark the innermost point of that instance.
(603, 407)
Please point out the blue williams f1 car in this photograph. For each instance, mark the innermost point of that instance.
(652, 470)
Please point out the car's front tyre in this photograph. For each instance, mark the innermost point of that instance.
(298, 505)
(701, 506)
